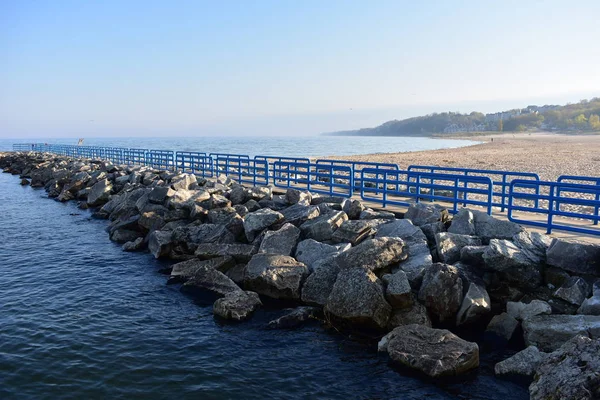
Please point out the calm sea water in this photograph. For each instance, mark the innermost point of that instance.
(81, 319)
(310, 146)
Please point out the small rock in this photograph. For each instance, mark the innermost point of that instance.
(237, 306)
(503, 326)
(574, 290)
(295, 318)
(522, 311)
(398, 292)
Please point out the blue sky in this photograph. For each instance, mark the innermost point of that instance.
(205, 68)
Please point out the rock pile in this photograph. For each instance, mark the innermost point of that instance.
(412, 279)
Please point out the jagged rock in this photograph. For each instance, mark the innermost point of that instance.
(160, 194)
(463, 223)
(503, 326)
(322, 227)
(252, 205)
(237, 273)
(299, 214)
(295, 318)
(276, 276)
(183, 198)
(533, 244)
(442, 291)
(397, 291)
(422, 214)
(282, 241)
(434, 352)
(372, 214)
(259, 193)
(124, 235)
(320, 199)
(159, 243)
(518, 270)
(373, 254)
(590, 306)
(475, 304)
(238, 195)
(576, 257)
(449, 245)
(294, 196)
(524, 363)
(310, 251)
(416, 314)
(152, 220)
(358, 298)
(184, 270)
(209, 280)
(353, 208)
(353, 232)
(472, 255)
(100, 193)
(318, 285)
(24, 182)
(488, 227)
(402, 228)
(571, 372)
(135, 245)
(183, 181)
(240, 252)
(418, 261)
(521, 311)
(549, 332)
(574, 290)
(257, 221)
(238, 305)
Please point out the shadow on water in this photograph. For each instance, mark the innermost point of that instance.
(79, 318)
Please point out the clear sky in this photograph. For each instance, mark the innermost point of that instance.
(180, 68)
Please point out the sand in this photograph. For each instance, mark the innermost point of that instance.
(549, 155)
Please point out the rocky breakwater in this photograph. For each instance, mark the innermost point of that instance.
(418, 282)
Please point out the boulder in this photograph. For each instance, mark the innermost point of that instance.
(524, 363)
(294, 196)
(136, 245)
(573, 256)
(397, 291)
(237, 306)
(242, 253)
(402, 228)
(574, 290)
(353, 232)
(472, 255)
(299, 213)
(418, 261)
(571, 372)
(160, 194)
(353, 208)
(310, 251)
(257, 221)
(294, 318)
(504, 254)
(183, 181)
(590, 306)
(209, 280)
(282, 241)
(522, 311)
(357, 298)
(442, 291)
(426, 213)
(503, 326)
(533, 245)
(488, 227)
(416, 314)
(238, 195)
(549, 332)
(373, 254)
(449, 245)
(434, 352)
(463, 223)
(124, 235)
(259, 193)
(159, 243)
(322, 227)
(475, 304)
(372, 214)
(100, 193)
(318, 285)
(184, 270)
(276, 276)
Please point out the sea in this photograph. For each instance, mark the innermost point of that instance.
(81, 319)
(309, 146)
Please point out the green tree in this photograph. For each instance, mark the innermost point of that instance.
(594, 122)
(580, 121)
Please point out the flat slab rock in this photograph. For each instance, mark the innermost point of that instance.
(237, 306)
(434, 352)
(549, 332)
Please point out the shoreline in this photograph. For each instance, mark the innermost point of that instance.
(549, 155)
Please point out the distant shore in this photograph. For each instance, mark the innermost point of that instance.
(548, 154)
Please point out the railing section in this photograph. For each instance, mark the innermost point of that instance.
(333, 180)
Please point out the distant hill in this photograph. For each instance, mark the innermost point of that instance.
(580, 117)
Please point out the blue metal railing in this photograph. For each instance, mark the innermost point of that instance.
(553, 196)
(134, 156)
(334, 180)
(586, 180)
(403, 188)
(23, 147)
(243, 170)
(357, 167)
(195, 162)
(158, 159)
(500, 179)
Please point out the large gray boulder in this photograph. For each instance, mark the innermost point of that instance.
(533, 245)
(521, 311)
(475, 305)
(282, 241)
(416, 314)
(463, 223)
(310, 251)
(358, 298)
(502, 255)
(524, 363)
(488, 227)
(472, 255)
(257, 221)
(571, 372)
(299, 213)
(242, 253)
(183, 181)
(434, 352)
(184, 270)
(449, 245)
(419, 260)
(237, 306)
(159, 243)
(373, 254)
(549, 332)
(322, 227)
(426, 213)
(573, 256)
(353, 208)
(208, 279)
(353, 232)
(402, 228)
(590, 306)
(318, 285)
(574, 290)
(100, 193)
(442, 291)
(276, 276)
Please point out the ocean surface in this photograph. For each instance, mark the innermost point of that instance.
(310, 146)
(80, 319)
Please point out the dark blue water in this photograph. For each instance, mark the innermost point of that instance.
(81, 319)
(310, 146)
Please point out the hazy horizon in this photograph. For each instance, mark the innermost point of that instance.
(144, 68)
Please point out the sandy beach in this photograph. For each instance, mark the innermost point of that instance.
(549, 155)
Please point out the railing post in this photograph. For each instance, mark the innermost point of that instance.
(597, 208)
(550, 209)
(456, 186)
